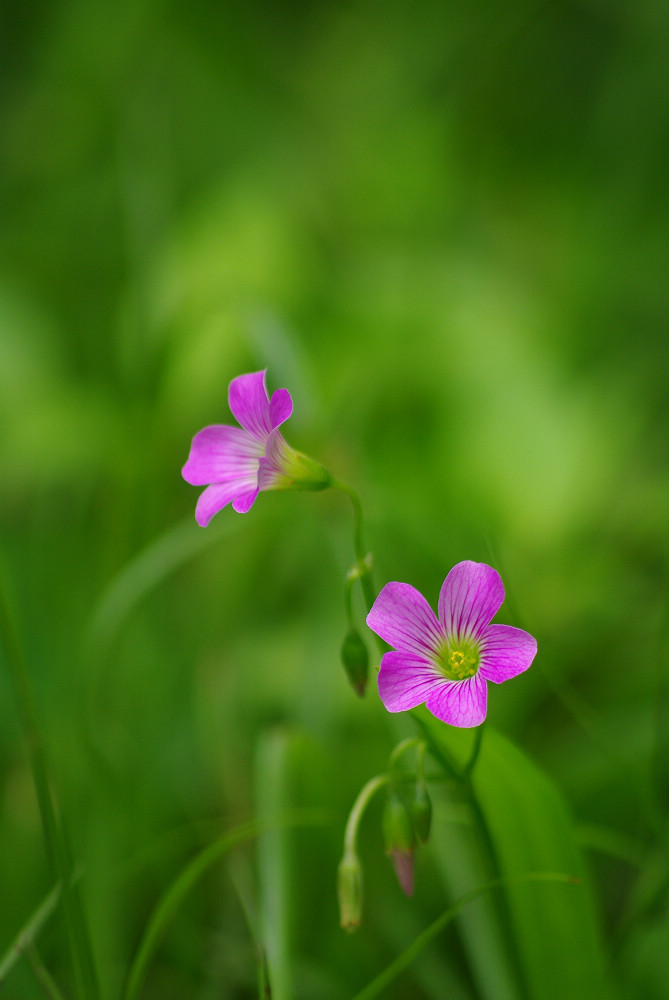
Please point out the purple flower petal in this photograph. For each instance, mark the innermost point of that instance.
(280, 407)
(242, 504)
(222, 454)
(470, 595)
(232, 461)
(273, 466)
(249, 403)
(460, 703)
(405, 681)
(506, 652)
(213, 499)
(404, 619)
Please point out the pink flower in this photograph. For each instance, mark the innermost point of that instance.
(445, 662)
(236, 463)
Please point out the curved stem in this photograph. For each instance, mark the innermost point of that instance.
(338, 484)
(406, 744)
(476, 749)
(359, 806)
(363, 567)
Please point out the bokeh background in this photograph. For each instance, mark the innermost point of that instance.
(443, 226)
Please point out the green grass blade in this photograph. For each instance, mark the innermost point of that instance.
(181, 886)
(398, 965)
(54, 832)
(555, 934)
(272, 796)
(146, 571)
(28, 933)
(42, 975)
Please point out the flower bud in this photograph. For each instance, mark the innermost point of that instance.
(349, 891)
(420, 810)
(403, 865)
(400, 840)
(355, 658)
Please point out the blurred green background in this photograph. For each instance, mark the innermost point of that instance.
(443, 227)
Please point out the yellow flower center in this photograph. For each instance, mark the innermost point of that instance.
(459, 660)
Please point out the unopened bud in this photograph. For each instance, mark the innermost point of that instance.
(349, 891)
(355, 658)
(400, 840)
(420, 810)
(403, 865)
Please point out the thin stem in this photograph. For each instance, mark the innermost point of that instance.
(363, 560)
(338, 484)
(476, 749)
(436, 751)
(359, 806)
(421, 750)
(463, 779)
(407, 744)
(348, 599)
(55, 843)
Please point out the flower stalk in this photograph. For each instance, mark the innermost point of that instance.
(349, 873)
(363, 564)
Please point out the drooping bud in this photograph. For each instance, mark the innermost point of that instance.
(355, 658)
(400, 839)
(403, 865)
(349, 891)
(420, 810)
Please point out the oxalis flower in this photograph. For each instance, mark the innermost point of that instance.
(236, 463)
(446, 662)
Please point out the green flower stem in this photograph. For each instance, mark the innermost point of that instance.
(446, 764)
(407, 744)
(476, 749)
(421, 750)
(55, 842)
(348, 598)
(365, 796)
(463, 779)
(363, 567)
(362, 560)
(338, 484)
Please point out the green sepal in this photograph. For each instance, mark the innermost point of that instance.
(420, 810)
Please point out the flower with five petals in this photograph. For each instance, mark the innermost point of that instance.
(236, 463)
(446, 661)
